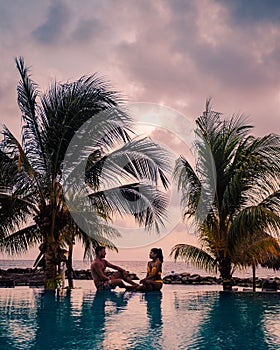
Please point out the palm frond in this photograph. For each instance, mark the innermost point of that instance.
(31, 131)
(272, 202)
(84, 104)
(253, 219)
(27, 179)
(196, 256)
(14, 146)
(257, 250)
(15, 210)
(142, 200)
(94, 240)
(190, 185)
(22, 240)
(138, 159)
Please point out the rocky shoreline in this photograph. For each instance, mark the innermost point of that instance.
(35, 278)
(195, 279)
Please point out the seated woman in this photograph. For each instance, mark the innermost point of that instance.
(153, 280)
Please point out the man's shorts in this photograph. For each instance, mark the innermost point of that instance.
(103, 286)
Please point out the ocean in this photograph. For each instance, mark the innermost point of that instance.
(139, 268)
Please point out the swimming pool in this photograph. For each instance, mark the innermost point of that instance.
(174, 318)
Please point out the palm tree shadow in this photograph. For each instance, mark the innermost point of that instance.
(75, 320)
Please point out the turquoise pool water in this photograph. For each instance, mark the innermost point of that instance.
(172, 319)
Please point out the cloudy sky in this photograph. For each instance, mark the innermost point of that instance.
(173, 53)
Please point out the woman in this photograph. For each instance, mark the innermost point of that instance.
(153, 280)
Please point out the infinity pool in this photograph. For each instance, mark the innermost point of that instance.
(174, 318)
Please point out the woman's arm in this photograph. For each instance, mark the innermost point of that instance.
(147, 274)
(152, 276)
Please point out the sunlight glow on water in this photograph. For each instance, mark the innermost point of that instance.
(172, 319)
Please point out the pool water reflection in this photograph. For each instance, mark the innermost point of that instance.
(171, 319)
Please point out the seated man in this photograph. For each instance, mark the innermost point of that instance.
(104, 282)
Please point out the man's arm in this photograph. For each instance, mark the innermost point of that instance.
(115, 267)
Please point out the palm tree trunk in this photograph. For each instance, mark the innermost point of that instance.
(226, 274)
(254, 278)
(70, 267)
(51, 266)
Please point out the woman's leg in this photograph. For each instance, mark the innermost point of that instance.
(145, 287)
(153, 285)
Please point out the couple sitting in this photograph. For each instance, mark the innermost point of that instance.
(152, 281)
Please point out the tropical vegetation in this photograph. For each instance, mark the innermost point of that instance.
(39, 186)
(231, 195)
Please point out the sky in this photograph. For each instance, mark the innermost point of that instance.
(166, 53)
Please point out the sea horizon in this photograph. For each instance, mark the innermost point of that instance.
(139, 267)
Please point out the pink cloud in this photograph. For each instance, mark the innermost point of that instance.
(176, 53)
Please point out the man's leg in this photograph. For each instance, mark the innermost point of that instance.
(125, 276)
(116, 282)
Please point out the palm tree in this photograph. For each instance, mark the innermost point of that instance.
(257, 249)
(33, 206)
(232, 195)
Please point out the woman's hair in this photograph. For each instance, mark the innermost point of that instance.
(158, 252)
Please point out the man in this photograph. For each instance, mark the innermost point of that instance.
(104, 282)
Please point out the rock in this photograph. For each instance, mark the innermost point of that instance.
(185, 274)
(7, 283)
(167, 280)
(195, 279)
(187, 278)
(176, 282)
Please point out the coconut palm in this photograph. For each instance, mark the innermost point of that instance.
(232, 195)
(37, 177)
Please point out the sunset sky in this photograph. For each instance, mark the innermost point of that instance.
(170, 53)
